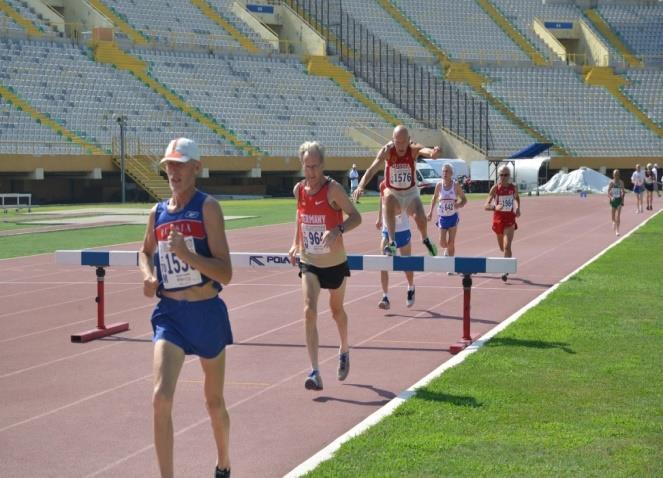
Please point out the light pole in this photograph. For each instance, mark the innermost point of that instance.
(122, 121)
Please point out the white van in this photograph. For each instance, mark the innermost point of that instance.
(427, 177)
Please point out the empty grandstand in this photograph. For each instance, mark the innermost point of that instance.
(252, 79)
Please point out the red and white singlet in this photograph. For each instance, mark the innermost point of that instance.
(400, 170)
(315, 216)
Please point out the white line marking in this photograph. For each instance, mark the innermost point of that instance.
(327, 452)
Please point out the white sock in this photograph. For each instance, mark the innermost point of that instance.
(410, 287)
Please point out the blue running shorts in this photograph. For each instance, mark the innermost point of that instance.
(447, 222)
(402, 238)
(199, 328)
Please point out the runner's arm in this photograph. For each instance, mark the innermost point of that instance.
(460, 194)
(430, 153)
(516, 197)
(145, 257)
(294, 248)
(370, 172)
(436, 194)
(336, 196)
(218, 266)
(488, 205)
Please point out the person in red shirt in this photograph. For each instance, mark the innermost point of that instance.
(323, 264)
(502, 198)
(401, 194)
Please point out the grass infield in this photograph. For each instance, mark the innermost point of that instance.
(264, 212)
(572, 389)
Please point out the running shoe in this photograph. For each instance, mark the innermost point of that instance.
(409, 302)
(504, 277)
(432, 248)
(384, 303)
(390, 249)
(219, 473)
(313, 381)
(343, 365)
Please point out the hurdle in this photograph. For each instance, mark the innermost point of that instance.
(465, 266)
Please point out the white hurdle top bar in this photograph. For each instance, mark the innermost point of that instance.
(460, 265)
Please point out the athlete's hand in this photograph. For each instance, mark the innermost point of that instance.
(329, 237)
(357, 193)
(429, 216)
(292, 254)
(150, 286)
(176, 243)
(378, 223)
(517, 212)
(436, 152)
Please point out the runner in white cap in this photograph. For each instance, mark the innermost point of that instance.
(186, 234)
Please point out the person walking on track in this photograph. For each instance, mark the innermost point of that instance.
(185, 241)
(318, 239)
(502, 198)
(451, 198)
(401, 194)
(403, 237)
(616, 196)
(638, 181)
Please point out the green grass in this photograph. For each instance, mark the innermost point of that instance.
(574, 388)
(265, 211)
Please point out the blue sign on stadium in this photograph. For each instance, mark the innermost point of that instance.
(559, 25)
(260, 8)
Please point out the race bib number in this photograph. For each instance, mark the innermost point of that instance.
(174, 272)
(312, 235)
(506, 202)
(447, 207)
(400, 176)
(616, 192)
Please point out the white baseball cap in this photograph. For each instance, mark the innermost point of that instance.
(181, 150)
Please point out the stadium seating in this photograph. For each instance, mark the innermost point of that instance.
(639, 26)
(8, 26)
(28, 12)
(586, 120)
(383, 25)
(269, 101)
(21, 134)
(462, 29)
(173, 22)
(60, 79)
(645, 88)
(521, 14)
(224, 7)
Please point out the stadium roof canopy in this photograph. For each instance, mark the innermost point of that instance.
(531, 151)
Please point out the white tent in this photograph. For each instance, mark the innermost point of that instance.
(583, 179)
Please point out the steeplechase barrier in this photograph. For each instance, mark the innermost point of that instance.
(465, 266)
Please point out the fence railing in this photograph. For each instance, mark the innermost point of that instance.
(414, 87)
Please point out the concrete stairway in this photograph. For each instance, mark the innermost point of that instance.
(321, 66)
(26, 106)
(511, 31)
(606, 78)
(27, 25)
(213, 15)
(607, 32)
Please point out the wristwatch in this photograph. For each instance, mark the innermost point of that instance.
(341, 228)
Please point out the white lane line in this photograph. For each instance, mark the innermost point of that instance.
(327, 452)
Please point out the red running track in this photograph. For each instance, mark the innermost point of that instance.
(84, 409)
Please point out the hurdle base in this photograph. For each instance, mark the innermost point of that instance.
(461, 345)
(98, 333)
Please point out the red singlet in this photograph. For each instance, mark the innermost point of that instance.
(400, 170)
(315, 216)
